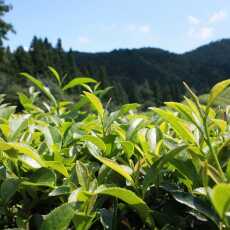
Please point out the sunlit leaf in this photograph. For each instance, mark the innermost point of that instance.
(177, 124)
(78, 81)
(55, 74)
(58, 166)
(110, 163)
(217, 90)
(128, 148)
(96, 103)
(95, 140)
(220, 197)
(41, 86)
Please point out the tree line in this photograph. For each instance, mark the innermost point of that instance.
(148, 76)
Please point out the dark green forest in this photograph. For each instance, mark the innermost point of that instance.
(148, 76)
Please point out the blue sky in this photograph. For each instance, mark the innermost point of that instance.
(104, 25)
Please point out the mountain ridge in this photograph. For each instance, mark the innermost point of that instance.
(213, 42)
(145, 75)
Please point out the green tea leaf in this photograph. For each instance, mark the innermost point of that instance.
(153, 172)
(177, 125)
(29, 161)
(27, 150)
(2, 172)
(220, 197)
(130, 198)
(78, 81)
(82, 221)
(41, 86)
(61, 190)
(183, 109)
(8, 189)
(52, 136)
(58, 166)
(59, 218)
(196, 203)
(17, 124)
(41, 177)
(96, 103)
(95, 140)
(186, 168)
(5, 112)
(128, 148)
(82, 175)
(55, 74)
(110, 163)
(22, 149)
(106, 218)
(135, 125)
(228, 171)
(217, 90)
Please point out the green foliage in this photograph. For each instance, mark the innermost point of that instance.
(148, 76)
(221, 200)
(59, 218)
(68, 164)
(4, 26)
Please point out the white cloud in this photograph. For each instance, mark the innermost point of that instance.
(201, 33)
(132, 28)
(110, 27)
(218, 16)
(193, 20)
(145, 28)
(204, 29)
(26, 48)
(83, 40)
(205, 32)
(139, 28)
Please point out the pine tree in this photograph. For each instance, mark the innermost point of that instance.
(120, 95)
(157, 90)
(5, 27)
(22, 60)
(103, 76)
(59, 45)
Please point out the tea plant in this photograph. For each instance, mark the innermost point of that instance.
(77, 165)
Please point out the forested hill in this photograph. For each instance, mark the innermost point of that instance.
(200, 68)
(146, 75)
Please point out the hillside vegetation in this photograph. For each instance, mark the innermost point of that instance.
(78, 165)
(148, 75)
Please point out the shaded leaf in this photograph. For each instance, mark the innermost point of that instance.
(196, 203)
(130, 198)
(59, 218)
(82, 221)
(8, 188)
(41, 177)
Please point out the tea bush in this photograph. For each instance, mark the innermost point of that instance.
(77, 165)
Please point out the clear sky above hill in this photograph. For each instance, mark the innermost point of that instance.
(104, 25)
